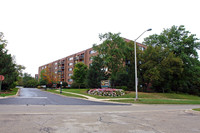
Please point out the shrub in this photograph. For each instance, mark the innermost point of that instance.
(125, 88)
(107, 92)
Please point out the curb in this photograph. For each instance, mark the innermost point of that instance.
(16, 95)
(192, 111)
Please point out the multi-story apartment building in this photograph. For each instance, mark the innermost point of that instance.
(62, 69)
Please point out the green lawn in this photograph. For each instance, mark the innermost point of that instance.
(130, 94)
(144, 98)
(9, 93)
(65, 94)
(159, 101)
(198, 109)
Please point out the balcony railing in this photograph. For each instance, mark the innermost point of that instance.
(81, 57)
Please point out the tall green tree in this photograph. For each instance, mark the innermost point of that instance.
(96, 73)
(79, 73)
(112, 51)
(159, 68)
(7, 66)
(130, 62)
(184, 45)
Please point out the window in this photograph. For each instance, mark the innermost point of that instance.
(104, 69)
(70, 64)
(70, 69)
(142, 48)
(92, 52)
(56, 63)
(70, 80)
(91, 58)
(71, 58)
(55, 72)
(56, 67)
(42, 67)
(45, 67)
(70, 74)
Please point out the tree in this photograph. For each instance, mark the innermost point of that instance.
(96, 73)
(184, 45)
(7, 66)
(29, 81)
(26, 78)
(130, 63)
(112, 52)
(20, 69)
(32, 83)
(79, 73)
(159, 68)
(42, 80)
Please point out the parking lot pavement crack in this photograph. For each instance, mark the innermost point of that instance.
(42, 126)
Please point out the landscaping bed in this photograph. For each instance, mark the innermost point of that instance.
(110, 92)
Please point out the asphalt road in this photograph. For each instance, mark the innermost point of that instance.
(136, 118)
(89, 117)
(32, 96)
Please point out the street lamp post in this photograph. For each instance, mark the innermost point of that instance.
(136, 79)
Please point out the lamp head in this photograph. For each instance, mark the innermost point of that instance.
(149, 29)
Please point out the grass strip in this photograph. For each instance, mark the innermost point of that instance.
(159, 101)
(198, 109)
(9, 92)
(65, 94)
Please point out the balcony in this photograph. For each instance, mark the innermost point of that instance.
(76, 58)
(81, 57)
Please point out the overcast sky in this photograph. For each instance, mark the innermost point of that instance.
(42, 31)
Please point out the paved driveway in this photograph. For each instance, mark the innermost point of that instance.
(32, 96)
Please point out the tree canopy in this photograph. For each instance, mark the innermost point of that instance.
(96, 73)
(112, 52)
(184, 45)
(8, 68)
(79, 73)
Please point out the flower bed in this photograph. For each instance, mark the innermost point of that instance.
(106, 92)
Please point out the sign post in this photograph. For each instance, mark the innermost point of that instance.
(60, 87)
(1, 79)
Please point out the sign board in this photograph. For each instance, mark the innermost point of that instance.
(1, 78)
(105, 83)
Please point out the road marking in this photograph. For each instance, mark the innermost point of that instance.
(33, 97)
